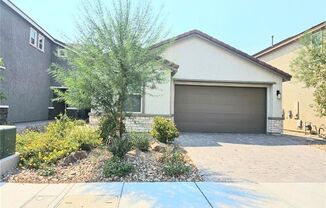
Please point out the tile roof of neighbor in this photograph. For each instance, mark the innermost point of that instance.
(283, 74)
(288, 40)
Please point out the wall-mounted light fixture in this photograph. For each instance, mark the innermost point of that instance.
(278, 94)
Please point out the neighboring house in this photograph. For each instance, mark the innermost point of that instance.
(298, 100)
(216, 88)
(27, 51)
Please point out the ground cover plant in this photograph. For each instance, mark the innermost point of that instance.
(60, 138)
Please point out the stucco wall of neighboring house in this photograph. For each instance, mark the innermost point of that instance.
(202, 61)
(296, 97)
(26, 79)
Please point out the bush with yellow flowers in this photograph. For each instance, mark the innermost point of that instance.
(61, 137)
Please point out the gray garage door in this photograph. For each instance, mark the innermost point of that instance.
(220, 109)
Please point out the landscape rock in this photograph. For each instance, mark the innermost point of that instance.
(74, 157)
(147, 166)
(69, 160)
(79, 155)
(158, 147)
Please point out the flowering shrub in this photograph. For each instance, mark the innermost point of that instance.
(61, 138)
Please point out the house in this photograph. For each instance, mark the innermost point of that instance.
(297, 99)
(216, 88)
(27, 51)
(212, 86)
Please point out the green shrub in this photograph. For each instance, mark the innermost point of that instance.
(62, 137)
(164, 130)
(47, 170)
(80, 122)
(60, 127)
(120, 146)
(38, 149)
(174, 163)
(115, 167)
(86, 136)
(140, 141)
(109, 128)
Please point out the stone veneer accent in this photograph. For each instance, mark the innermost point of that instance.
(93, 119)
(135, 123)
(275, 125)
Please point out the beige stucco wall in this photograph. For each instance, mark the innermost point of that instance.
(199, 59)
(207, 64)
(294, 92)
(157, 99)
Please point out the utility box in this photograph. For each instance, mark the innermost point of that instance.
(7, 141)
(3, 114)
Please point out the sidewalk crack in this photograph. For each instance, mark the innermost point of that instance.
(123, 185)
(204, 195)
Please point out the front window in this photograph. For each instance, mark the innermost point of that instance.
(40, 42)
(32, 37)
(134, 104)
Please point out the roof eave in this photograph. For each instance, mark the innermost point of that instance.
(290, 39)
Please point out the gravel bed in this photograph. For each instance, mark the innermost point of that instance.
(147, 169)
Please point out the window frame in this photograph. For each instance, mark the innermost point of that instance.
(64, 51)
(33, 31)
(141, 104)
(317, 36)
(40, 37)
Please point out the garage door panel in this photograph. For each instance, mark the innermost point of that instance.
(219, 127)
(211, 109)
(199, 116)
(220, 109)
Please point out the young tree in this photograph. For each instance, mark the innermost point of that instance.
(2, 95)
(310, 67)
(112, 57)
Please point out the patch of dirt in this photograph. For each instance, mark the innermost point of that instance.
(147, 169)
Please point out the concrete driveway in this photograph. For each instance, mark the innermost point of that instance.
(255, 158)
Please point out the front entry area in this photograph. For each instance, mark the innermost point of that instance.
(220, 109)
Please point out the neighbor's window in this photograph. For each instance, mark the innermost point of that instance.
(133, 104)
(32, 37)
(40, 44)
(62, 52)
(317, 38)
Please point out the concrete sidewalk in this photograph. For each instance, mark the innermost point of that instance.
(129, 195)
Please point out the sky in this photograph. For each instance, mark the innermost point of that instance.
(244, 24)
